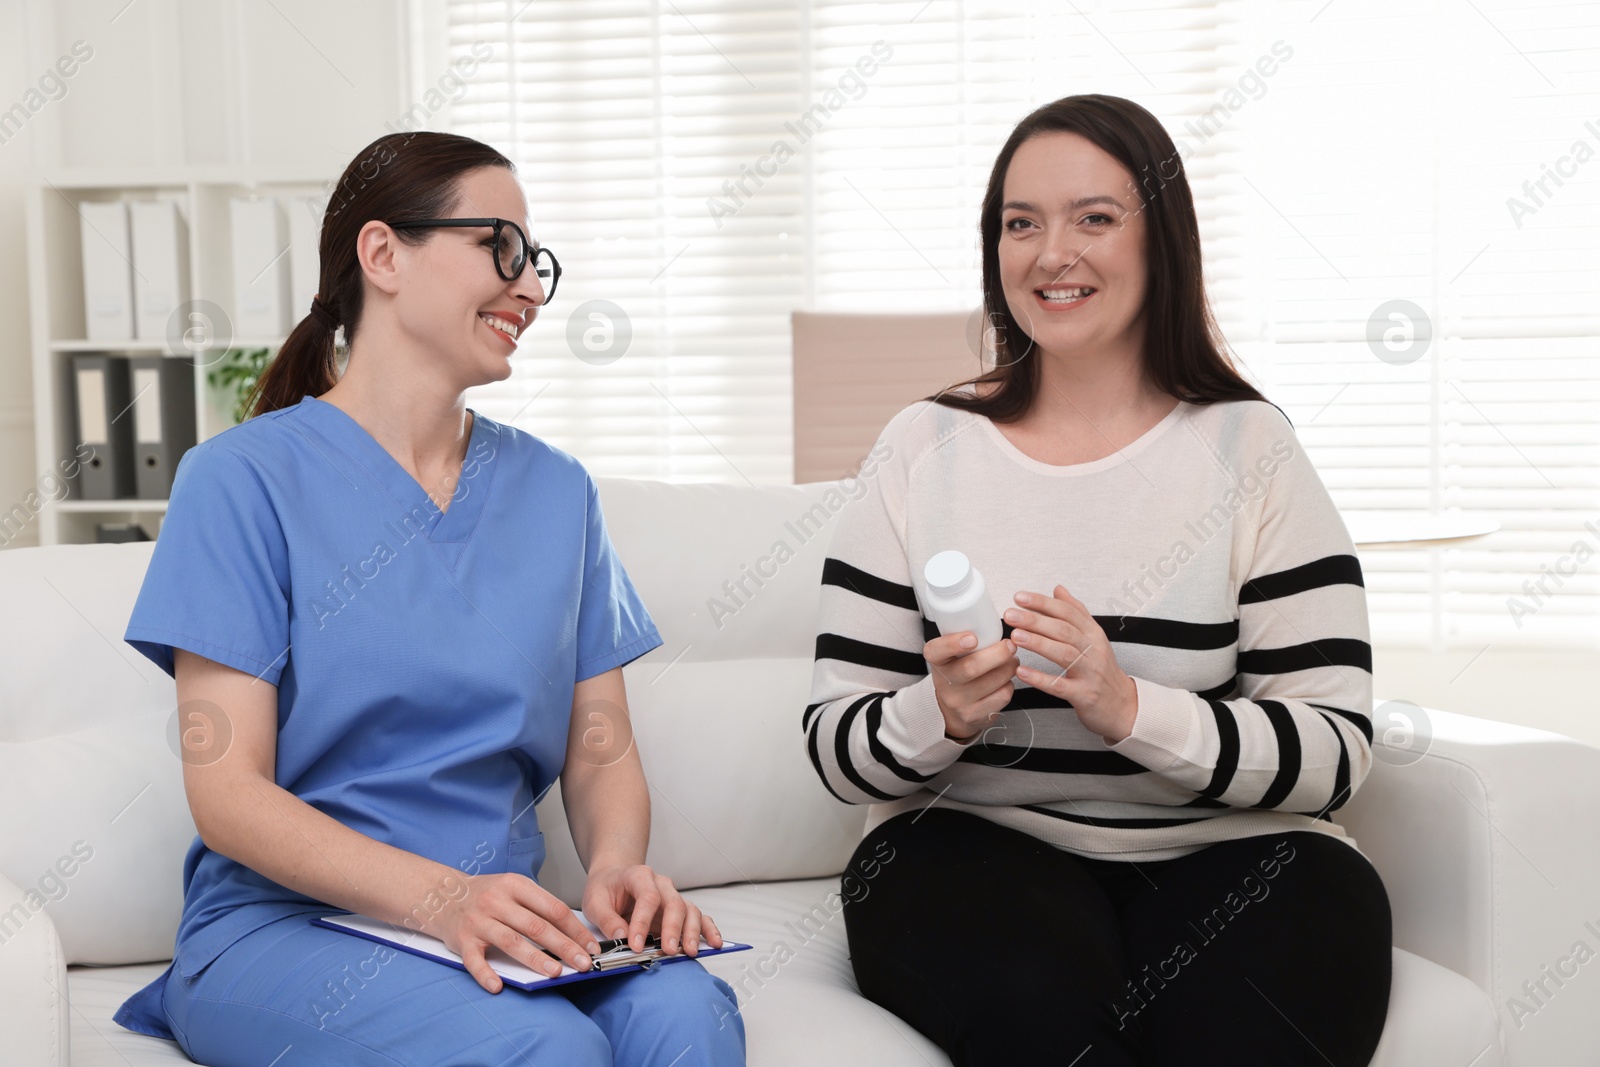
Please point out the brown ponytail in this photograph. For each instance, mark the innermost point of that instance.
(397, 178)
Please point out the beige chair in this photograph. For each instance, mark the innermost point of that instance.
(854, 371)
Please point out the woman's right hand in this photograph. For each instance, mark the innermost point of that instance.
(971, 687)
(518, 916)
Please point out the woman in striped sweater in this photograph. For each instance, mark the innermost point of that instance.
(1112, 830)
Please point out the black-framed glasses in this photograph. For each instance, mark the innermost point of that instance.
(512, 249)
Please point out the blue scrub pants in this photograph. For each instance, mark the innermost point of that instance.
(295, 995)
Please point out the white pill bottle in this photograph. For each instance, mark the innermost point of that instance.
(958, 599)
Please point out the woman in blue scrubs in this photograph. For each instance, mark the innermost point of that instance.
(393, 623)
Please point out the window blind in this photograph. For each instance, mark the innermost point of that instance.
(1392, 160)
(707, 166)
(626, 118)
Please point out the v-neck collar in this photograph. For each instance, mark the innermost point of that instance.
(473, 483)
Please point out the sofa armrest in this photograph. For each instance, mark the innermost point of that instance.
(33, 984)
(1483, 834)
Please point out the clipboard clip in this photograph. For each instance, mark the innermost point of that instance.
(616, 953)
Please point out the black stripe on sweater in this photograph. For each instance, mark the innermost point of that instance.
(880, 751)
(1329, 570)
(1114, 823)
(1288, 734)
(1138, 630)
(1227, 750)
(838, 572)
(1169, 633)
(867, 654)
(1031, 698)
(841, 750)
(805, 720)
(816, 761)
(1049, 760)
(1327, 652)
(1341, 778)
(1362, 722)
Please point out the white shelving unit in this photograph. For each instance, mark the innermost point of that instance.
(55, 274)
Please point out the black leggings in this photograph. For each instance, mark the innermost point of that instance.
(1270, 950)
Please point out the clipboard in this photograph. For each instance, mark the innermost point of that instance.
(616, 960)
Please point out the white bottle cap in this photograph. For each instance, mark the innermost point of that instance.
(948, 572)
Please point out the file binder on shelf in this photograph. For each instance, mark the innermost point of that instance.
(163, 421)
(102, 389)
(119, 533)
(260, 275)
(88, 230)
(107, 271)
(160, 265)
(618, 959)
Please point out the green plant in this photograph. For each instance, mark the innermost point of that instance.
(236, 373)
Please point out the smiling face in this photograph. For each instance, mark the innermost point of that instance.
(1071, 247)
(450, 289)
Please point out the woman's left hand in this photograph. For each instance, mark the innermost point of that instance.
(1060, 629)
(652, 904)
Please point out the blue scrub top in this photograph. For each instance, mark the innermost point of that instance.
(424, 660)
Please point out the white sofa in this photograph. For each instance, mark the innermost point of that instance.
(1484, 843)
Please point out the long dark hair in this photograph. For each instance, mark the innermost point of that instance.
(1184, 350)
(400, 177)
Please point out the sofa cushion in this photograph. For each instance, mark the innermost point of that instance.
(726, 571)
(733, 796)
(1437, 1017)
(97, 1041)
(84, 752)
(731, 575)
